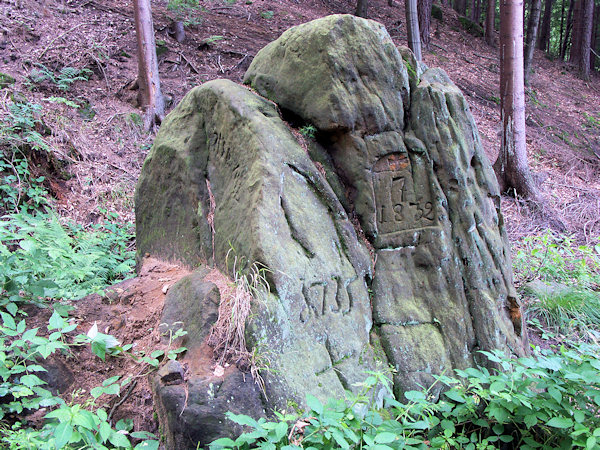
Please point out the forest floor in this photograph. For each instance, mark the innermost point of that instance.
(99, 146)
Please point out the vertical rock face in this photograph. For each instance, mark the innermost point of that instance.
(272, 206)
(420, 185)
(396, 167)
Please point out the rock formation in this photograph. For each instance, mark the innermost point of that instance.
(382, 229)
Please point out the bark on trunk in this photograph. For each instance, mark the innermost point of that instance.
(587, 19)
(361, 8)
(595, 37)
(563, 51)
(544, 40)
(150, 97)
(412, 22)
(490, 22)
(532, 28)
(511, 166)
(575, 53)
(424, 13)
(562, 26)
(460, 6)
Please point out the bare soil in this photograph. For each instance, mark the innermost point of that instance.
(99, 148)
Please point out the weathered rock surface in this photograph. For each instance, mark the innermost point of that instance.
(397, 149)
(191, 399)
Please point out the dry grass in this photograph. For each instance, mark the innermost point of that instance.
(227, 336)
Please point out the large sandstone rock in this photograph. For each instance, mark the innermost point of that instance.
(396, 151)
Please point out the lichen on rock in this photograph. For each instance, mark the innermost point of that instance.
(385, 229)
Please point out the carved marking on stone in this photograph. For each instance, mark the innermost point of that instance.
(324, 298)
(398, 206)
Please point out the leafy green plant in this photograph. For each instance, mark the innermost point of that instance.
(62, 80)
(212, 39)
(572, 273)
(568, 309)
(308, 131)
(19, 137)
(547, 400)
(185, 11)
(40, 257)
(591, 120)
(267, 15)
(556, 258)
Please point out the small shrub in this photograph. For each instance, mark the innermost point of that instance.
(471, 27)
(556, 258)
(308, 131)
(62, 80)
(185, 11)
(19, 137)
(40, 257)
(545, 401)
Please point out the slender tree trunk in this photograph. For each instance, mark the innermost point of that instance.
(563, 50)
(587, 19)
(490, 22)
(478, 12)
(595, 37)
(544, 40)
(390, 2)
(361, 8)
(412, 25)
(424, 13)
(511, 166)
(532, 28)
(575, 53)
(460, 6)
(150, 96)
(562, 26)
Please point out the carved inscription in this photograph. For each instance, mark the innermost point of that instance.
(399, 207)
(323, 298)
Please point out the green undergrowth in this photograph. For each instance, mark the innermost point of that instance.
(548, 400)
(568, 298)
(45, 261)
(40, 257)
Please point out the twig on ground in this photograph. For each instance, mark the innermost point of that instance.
(221, 69)
(120, 402)
(189, 63)
(61, 36)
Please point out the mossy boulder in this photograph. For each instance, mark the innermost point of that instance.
(340, 72)
(226, 146)
(381, 233)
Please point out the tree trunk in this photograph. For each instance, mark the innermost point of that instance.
(512, 168)
(575, 53)
(390, 2)
(412, 26)
(532, 28)
(478, 12)
(490, 22)
(150, 96)
(361, 8)
(460, 6)
(563, 50)
(424, 13)
(562, 26)
(595, 36)
(587, 19)
(544, 40)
